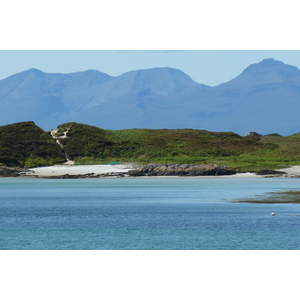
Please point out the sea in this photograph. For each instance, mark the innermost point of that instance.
(147, 213)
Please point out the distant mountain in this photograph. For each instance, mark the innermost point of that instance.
(265, 98)
(41, 97)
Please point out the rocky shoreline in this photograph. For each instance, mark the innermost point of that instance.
(143, 170)
(11, 172)
(160, 170)
(150, 170)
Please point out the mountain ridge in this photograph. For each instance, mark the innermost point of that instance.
(265, 98)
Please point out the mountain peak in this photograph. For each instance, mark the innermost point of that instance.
(163, 80)
(271, 65)
(158, 72)
(267, 71)
(35, 72)
(270, 62)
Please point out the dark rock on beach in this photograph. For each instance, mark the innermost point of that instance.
(10, 172)
(269, 172)
(87, 175)
(181, 170)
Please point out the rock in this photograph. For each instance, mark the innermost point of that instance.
(181, 170)
(137, 172)
(252, 133)
(10, 172)
(269, 172)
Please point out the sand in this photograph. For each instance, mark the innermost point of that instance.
(79, 169)
(294, 170)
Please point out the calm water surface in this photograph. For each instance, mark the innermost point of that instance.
(146, 213)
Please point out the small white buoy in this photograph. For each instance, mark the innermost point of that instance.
(272, 214)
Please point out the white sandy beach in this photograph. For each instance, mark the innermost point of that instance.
(78, 170)
(294, 170)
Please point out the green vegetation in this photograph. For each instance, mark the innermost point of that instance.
(91, 145)
(25, 144)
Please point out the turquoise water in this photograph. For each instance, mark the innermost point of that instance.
(146, 213)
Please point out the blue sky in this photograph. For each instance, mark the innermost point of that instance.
(210, 67)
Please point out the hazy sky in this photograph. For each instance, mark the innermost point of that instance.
(210, 67)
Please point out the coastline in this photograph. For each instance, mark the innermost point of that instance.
(122, 170)
(131, 170)
(91, 171)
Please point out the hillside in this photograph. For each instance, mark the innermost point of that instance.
(88, 144)
(25, 144)
(264, 98)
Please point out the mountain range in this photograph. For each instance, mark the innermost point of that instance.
(264, 98)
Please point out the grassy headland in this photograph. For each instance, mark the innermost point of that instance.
(25, 144)
(91, 145)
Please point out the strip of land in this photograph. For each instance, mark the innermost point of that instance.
(276, 197)
(94, 170)
(82, 144)
(126, 170)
